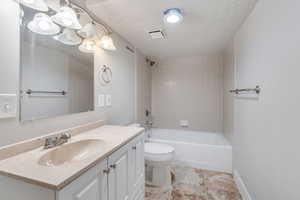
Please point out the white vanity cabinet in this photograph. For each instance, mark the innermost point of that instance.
(92, 185)
(126, 172)
(119, 177)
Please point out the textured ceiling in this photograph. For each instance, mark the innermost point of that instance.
(207, 25)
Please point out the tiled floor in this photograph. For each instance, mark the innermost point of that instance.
(195, 184)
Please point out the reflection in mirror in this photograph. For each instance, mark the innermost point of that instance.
(56, 77)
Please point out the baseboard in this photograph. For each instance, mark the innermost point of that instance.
(241, 186)
(202, 165)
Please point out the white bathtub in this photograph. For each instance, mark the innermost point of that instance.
(203, 150)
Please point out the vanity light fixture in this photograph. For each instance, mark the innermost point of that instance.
(39, 5)
(68, 37)
(42, 24)
(67, 17)
(173, 16)
(87, 46)
(88, 31)
(107, 43)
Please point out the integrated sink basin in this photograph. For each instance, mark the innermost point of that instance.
(72, 152)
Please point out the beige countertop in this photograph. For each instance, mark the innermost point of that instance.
(25, 166)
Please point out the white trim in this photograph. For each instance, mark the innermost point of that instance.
(203, 165)
(8, 95)
(241, 186)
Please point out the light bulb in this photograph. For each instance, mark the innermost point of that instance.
(67, 17)
(29, 1)
(87, 46)
(173, 15)
(39, 5)
(44, 25)
(66, 22)
(173, 19)
(107, 43)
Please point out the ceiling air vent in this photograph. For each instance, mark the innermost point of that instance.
(157, 34)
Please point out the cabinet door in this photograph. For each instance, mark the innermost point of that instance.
(90, 186)
(118, 178)
(137, 166)
(140, 160)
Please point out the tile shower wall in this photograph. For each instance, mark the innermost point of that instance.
(188, 88)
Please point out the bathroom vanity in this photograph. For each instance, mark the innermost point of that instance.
(104, 163)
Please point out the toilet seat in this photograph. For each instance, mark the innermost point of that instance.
(158, 152)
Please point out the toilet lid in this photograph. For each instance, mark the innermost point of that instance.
(157, 148)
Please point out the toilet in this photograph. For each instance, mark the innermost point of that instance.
(158, 158)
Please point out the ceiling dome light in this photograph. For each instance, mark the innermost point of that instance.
(67, 17)
(87, 46)
(88, 31)
(68, 37)
(39, 5)
(173, 16)
(107, 43)
(42, 24)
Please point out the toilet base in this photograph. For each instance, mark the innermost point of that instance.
(158, 174)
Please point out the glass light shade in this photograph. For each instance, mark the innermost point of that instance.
(67, 17)
(42, 24)
(88, 31)
(39, 5)
(68, 37)
(87, 46)
(173, 16)
(107, 43)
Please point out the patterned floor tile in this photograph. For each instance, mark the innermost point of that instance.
(195, 184)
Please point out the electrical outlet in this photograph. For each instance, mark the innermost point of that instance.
(184, 123)
(101, 102)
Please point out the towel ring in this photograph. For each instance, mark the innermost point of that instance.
(105, 75)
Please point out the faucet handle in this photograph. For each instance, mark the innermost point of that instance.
(49, 142)
(66, 135)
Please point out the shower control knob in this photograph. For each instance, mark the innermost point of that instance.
(114, 166)
(106, 171)
(134, 147)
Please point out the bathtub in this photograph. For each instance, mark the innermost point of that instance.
(203, 150)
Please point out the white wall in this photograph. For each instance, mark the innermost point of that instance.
(228, 98)
(122, 88)
(266, 132)
(188, 88)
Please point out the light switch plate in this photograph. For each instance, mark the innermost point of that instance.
(101, 102)
(108, 100)
(8, 105)
(184, 123)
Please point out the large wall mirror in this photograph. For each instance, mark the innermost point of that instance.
(56, 77)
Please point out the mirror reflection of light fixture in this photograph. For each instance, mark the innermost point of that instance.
(68, 37)
(87, 46)
(42, 24)
(88, 31)
(107, 43)
(39, 5)
(67, 17)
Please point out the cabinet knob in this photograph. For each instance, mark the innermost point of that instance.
(134, 147)
(106, 171)
(114, 166)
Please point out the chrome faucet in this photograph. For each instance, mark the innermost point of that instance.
(57, 140)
